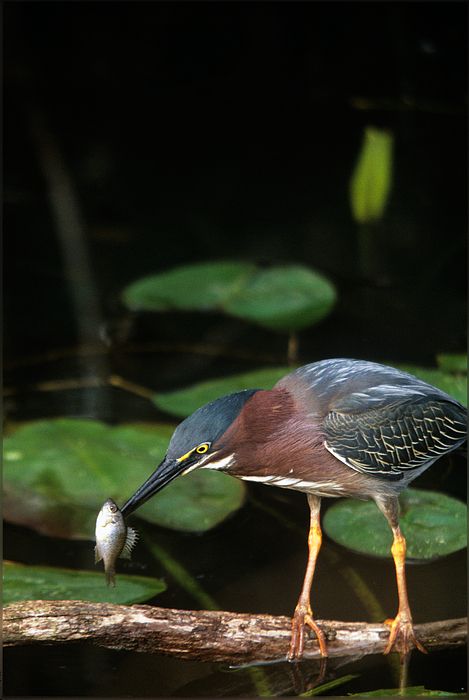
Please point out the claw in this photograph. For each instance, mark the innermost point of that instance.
(299, 621)
(402, 636)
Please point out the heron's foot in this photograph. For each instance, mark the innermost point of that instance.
(402, 635)
(300, 620)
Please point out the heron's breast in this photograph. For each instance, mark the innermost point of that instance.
(305, 465)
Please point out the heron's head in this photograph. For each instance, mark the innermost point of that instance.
(199, 441)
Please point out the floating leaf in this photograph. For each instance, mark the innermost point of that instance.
(283, 298)
(196, 502)
(371, 179)
(57, 474)
(22, 582)
(433, 524)
(411, 691)
(280, 298)
(198, 287)
(185, 401)
(452, 363)
(453, 384)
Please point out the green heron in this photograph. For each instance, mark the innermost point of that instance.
(333, 428)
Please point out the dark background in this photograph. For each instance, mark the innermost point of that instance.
(198, 131)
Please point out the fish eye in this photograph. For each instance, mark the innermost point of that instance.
(113, 508)
(203, 448)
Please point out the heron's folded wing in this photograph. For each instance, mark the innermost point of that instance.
(391, 437)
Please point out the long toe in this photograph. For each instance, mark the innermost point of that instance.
(297, 637)
(402, 637)
(299, 621)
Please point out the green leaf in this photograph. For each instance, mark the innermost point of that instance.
(283, 298)
(58, 473)
(453, 384)
(371, 179)
(433, 524)
(452, 363)
(196, 502)
(280, 298)
(411, 691)
(185, 401)
(200, 287)
(22, 582)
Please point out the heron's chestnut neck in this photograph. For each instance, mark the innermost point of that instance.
(263, 416)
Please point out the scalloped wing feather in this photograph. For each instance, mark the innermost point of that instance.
(393, 438)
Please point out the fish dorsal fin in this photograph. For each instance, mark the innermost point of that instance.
(97, 555)
(130, 542)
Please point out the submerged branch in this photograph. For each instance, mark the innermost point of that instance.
(202, 635)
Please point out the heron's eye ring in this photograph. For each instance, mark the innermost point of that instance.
(202, 449)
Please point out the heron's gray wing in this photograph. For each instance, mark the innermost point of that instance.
(391, 437)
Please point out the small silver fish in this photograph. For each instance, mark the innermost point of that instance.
(113, 539)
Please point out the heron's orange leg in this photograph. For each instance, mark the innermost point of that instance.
(402, 631)
(303, 615)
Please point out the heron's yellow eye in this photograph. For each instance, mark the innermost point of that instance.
(203, 448)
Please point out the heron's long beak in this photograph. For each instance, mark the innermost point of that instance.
(168, 470)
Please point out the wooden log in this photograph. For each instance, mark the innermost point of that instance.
(199, 635)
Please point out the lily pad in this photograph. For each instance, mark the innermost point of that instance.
(22, 582)
(283, 298)
(196, 502)
(453, 384)
(58, 473)
(185, 401)
(433, 524)
(280, 298)
(200, 287)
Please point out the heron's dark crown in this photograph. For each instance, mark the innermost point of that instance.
(208, 423)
